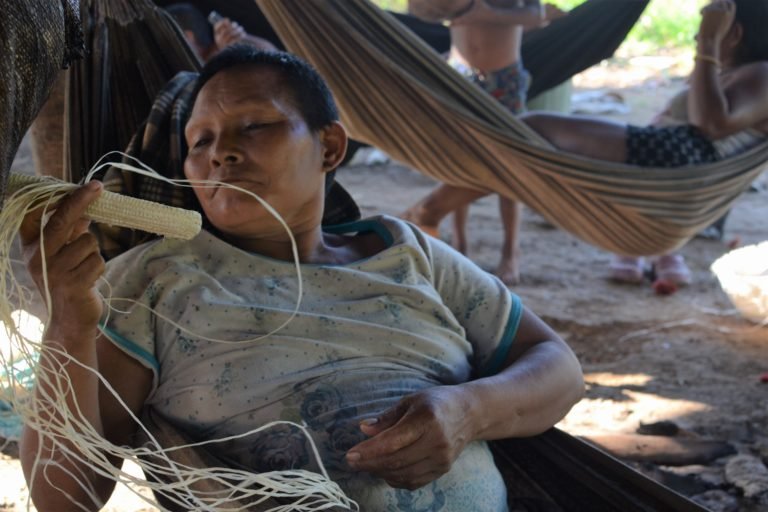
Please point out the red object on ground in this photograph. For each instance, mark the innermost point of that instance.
(764, 378)
(733, 244)
(664, 287)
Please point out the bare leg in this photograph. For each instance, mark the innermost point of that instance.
(429, 211)
(460, 229)
(511, 213)
(587, 136)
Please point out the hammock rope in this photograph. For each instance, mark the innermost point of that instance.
(397, 94)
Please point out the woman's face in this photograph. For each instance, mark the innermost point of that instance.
(245, 130)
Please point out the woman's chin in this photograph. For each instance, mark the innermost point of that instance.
(235, 215)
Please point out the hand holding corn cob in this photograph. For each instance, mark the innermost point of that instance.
(124, 211)
(63, 259)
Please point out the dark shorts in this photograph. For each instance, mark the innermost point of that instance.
(668, 146)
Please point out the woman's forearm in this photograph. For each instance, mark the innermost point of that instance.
(525, 13)
(528, 14)
(64, 391)
(529, 396)
(707, 103)
(437, 10)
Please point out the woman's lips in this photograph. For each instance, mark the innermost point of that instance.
(247, 184)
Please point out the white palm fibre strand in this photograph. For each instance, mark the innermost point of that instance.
(62, 421)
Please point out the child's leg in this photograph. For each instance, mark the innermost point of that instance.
(460, 215)
(511, 213)
(429, 211)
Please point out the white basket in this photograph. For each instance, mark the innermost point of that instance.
(743, 275)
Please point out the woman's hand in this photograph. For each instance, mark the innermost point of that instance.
(416, 441)
(72, 262)
(716, 19)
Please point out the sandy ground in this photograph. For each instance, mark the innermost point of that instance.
(687, 358)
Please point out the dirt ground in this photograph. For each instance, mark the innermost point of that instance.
(688, 357)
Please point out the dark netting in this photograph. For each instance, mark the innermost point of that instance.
(37, 39)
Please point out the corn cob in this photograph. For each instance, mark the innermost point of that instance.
(127, 212)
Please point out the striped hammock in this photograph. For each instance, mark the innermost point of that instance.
(397, 94)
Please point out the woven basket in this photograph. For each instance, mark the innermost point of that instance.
(743, 275)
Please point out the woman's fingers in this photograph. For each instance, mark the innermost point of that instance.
(417, 440)
(67, 216)
(80, 227)
(65, 242)
(90, 268)
(74, 253)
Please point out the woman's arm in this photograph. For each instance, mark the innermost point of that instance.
(526, 13)
(72, 348)
(418, 440)
(436, 11)
(539, 384)
(720, 110)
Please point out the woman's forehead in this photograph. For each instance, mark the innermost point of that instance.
(260, 80)
(235, 89)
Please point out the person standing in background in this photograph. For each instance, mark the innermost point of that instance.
(208, 36)
(485, 47)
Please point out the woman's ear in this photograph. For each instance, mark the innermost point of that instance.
(334, 140)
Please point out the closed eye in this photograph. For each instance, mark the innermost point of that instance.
(201, 142)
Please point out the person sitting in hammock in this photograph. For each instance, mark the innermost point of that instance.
(723, 111)
(485, 48)
(404, 357)
(206, 38)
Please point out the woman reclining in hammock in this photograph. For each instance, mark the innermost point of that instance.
(723, 111)
(403, 358)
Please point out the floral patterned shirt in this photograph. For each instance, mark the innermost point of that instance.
(417, 314)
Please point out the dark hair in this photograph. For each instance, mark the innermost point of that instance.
(309, 92)
(752, 15)
(189, 17)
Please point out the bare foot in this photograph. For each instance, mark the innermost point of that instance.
(509, 272)
(417, 215)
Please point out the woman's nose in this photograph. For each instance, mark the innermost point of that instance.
(227, 152)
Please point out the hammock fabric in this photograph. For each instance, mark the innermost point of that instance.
(397, 94)
(590, 33)
(134, 49)
(37, 39)
(551, 472)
